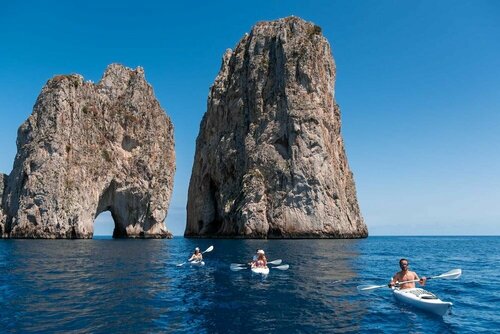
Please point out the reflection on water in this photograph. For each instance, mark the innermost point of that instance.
(101, 286)
(303, 297)
(135, 285)
(75, 285)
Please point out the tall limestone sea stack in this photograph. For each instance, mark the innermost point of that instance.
(270, 160)
(89, 148)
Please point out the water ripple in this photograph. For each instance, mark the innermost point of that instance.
(101, 286)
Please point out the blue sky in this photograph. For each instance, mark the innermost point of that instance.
(418, 84)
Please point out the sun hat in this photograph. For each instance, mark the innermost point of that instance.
(197, 249)
(260, 251)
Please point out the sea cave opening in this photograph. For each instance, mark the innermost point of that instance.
(104, 225)
(111, 224)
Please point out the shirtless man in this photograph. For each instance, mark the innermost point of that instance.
(405, 275)
(196, 256)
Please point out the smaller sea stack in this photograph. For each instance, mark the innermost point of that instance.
(89, 148)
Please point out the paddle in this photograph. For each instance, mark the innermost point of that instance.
(282, 267)
(209, 249)
(237, 268)
(452, 274)
(275, 262)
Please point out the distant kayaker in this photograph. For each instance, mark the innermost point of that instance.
(405, 275)
(261, 261)
(196, 255)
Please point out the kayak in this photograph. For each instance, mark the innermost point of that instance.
(261, 270)
(423, 300)
(197, 263)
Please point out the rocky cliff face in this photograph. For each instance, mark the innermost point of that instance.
(3, 217)
(89, 148)
(270, 159)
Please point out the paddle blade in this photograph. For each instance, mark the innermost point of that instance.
(181, 264)
(237, 264)
(237, 268)
(209, 249)
(369, 287)
(452, 274)
(275, 262)
(283, 267)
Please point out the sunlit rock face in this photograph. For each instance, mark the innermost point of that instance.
(89, 148)
(270, 159)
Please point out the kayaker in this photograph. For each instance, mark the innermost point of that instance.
(405, 275)
(196, 255)
(261, 261)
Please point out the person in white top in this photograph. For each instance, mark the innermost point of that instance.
(261, 261)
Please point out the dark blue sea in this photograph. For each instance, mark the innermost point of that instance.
(134, 286)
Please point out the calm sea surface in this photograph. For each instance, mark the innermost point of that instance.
(134, 286)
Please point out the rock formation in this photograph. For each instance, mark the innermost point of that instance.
(3, 182)
(270, 159)
(89, 148)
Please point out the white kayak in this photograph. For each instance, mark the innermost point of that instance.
(197, 263)
(261, 270)
(423, 300)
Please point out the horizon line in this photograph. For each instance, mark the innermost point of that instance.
(376, 235)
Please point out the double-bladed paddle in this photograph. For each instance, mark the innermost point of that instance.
(275, 262)
(282, 267)
(452, 274)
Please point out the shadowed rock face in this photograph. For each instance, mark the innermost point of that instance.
(3, 183)
(89, 148)
(270, 160)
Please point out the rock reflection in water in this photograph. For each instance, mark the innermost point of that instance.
(135, 286)
(314, 294)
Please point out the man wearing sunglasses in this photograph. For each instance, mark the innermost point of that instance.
(405, 275)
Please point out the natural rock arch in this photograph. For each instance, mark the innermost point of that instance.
(125, 208)
(88, 148)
